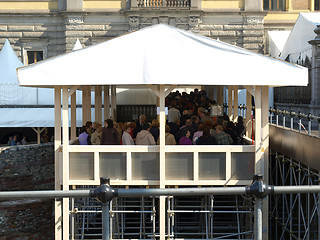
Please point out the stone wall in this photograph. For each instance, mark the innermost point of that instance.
(26, 168)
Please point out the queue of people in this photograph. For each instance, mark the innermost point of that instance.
(188, 123)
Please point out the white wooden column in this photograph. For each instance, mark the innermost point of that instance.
(114, 103)
(258, 144)
(57, 143)
(162, 118)
(106, 102)
(265, 153)
(312, 5)
(98, 104)
(235, 103)
(220, 95)
(84, 105)
(230, 103)
(248, 122)
(65, 161)
(73, 115)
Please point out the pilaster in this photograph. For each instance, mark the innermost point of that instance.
(315, 70)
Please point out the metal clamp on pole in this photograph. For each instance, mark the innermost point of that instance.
(259, 190)
(104, 194)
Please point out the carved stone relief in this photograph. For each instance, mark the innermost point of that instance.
(74, 20)
(134, 23)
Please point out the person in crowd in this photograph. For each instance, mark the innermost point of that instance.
(89, 127)
(14, 141)
(154, 130)
(188, 127)
(222, 138)
(84, 137)
(9, 141)
(229, 128)
(24, 140)
(126, 136)
(206, 138)
(174, 126)
(144, 137)
(45, 137)
(96, 135)
(140, 125)
(184, 117)
(169, 138)
(95, 125)
(185, 139)
(109, 134)
(173, 113)
(119, 128)
(195, 122)
(198, 133)
(240, 130)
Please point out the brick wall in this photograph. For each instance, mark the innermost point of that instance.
(24, 168)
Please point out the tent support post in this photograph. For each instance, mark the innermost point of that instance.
(106, 103)
(98, 104)
(265, 154)
(38, 132)
(248, 114)
(65, 161)
(57, 143)
(230, 89)
(73, 131)
(114, 103)
(162, 118)
(235, 103)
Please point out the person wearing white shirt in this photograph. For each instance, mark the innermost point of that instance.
(126, 137)
(173, 114)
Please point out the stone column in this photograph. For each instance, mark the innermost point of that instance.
(315, 73)
(253, 31)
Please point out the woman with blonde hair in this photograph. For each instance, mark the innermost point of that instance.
(96, 136)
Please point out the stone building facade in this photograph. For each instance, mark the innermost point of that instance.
(40, 29)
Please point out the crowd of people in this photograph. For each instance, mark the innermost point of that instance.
(188, 123)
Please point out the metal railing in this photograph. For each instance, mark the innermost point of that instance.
(105, 193)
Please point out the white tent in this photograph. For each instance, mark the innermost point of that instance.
(277, 40)
(162, 54)
(297, 47)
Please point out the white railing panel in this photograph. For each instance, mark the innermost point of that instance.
(113, 165)
(81, 166)
(145, 166)
(179, 166)
(212, 166)
(242, 165)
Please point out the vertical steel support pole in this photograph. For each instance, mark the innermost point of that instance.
(290, 209)
(300, 124)
(105, 220)
(284, 120)
(258, 219)
(291, 125)
(308, 208)
(309, 127)
(299, 202)
(277, 119)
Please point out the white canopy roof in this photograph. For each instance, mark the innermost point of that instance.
(162, 54)
(297, 46)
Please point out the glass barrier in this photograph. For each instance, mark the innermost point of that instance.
(81, 166)
(212, 166)
(145, 166)
(113, 165)
(179, 166)
(242, 165)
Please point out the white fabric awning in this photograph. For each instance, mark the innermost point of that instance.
(297, 47)
(162, 54)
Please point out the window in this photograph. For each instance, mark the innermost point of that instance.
(34, 56)
(316, 5)
(274, 5)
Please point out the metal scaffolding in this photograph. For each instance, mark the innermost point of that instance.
(293, 216)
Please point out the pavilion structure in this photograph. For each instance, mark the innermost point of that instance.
(160, 58)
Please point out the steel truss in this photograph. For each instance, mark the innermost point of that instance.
(294, 215)
(197, 217)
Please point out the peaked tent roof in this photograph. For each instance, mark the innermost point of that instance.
(77, 45)
(277, 40)
(162, 54)
(297, 46)
(9, 62)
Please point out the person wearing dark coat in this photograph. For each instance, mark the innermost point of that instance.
(206, 138)
(182, 130)
(140, 125)
(174, 127)
(154, 130)
(109, 134)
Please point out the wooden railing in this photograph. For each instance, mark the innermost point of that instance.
(139, 165)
